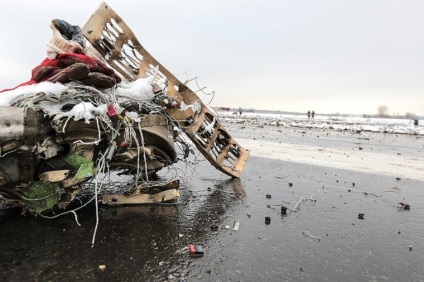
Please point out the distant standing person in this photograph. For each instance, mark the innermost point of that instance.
(309, 114)
(240, 111)
(313, 114)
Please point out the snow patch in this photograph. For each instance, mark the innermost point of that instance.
(55, 89)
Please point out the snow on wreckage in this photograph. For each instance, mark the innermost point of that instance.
(98, 104)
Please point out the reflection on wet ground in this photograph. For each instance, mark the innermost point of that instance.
(322, 236)
(133, 242)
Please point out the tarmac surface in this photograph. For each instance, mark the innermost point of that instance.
(344, 220)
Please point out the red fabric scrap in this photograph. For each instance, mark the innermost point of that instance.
(48, 67)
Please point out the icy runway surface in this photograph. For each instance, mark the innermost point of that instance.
(344, 221)
(355, 160)
(318, 141)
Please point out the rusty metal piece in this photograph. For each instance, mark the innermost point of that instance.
(10, 145)
(167, 192)
(139, 210)
(115, 41)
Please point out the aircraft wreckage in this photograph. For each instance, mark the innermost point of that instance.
(101, 103)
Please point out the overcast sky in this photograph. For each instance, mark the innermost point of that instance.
(346, 56)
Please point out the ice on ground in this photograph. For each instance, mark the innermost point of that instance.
(378, 163)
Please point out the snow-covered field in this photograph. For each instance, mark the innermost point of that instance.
(339, 123)
(368, 145)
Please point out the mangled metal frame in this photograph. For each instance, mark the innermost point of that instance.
(28, 146)
(116, 43)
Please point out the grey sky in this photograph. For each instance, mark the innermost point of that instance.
(329, 55)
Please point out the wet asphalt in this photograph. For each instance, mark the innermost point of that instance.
(322, 236)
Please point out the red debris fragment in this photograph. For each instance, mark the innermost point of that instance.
(111, 111)
(196, 250)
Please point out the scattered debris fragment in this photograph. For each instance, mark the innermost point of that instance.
(297, 204)
(283, 210)
(410, 248)
(196, 250)
(361, 216)
(282, 177)
(306, 233)
(310, 198)
(405, 205)
(236, 225)
(268, 196)
(267, 220)
(351, 189)
(102, 267)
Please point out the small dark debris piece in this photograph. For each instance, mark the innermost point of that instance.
(353, 184)
(301, 269)
(209, 188)
(290, 184)
(349, 190)
(410, 248)
(268, 196)
(405, 206)
(214, 227)
(283, 210)
(360, 148)
(397, 178)
(361, 216)
(189, 121)
(267, 220)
